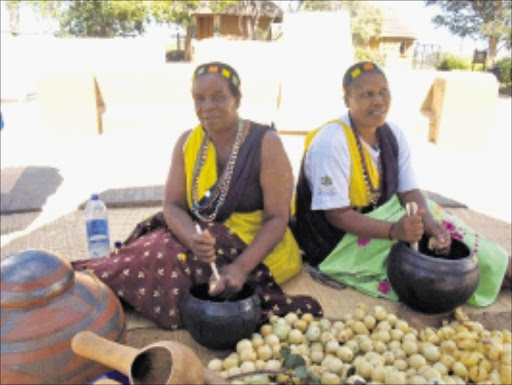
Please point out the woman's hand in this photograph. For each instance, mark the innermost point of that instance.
(232, 279)
(203, 246)
(442, 237)
(409, 228)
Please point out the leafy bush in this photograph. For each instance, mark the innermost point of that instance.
(504, 70)
(454, 62)
(361, 54)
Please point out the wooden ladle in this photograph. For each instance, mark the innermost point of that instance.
(163, 362)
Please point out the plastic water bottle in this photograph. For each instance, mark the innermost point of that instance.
(96, 222)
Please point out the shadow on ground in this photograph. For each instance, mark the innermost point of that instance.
(24, 191)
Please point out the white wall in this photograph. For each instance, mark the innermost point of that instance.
(25, 57)
(317, 49)
(304, 69)
(257, 63)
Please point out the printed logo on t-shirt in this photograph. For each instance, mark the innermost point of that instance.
(326, 187)
(326, 181)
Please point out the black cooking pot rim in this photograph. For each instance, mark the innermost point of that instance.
(247, 287)
(405, 246)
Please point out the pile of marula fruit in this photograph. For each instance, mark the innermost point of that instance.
(368, 346)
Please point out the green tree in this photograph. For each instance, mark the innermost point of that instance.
(477, 19)
(109, 18)
(93, 18)
(365, 20)
(249, 13)
(13, 8)
(104, 18)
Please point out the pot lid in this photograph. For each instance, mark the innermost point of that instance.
(31, 277)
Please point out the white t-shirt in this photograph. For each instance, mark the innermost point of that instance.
(329, 157)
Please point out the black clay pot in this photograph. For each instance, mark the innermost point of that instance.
(217, 323)
(433, 283)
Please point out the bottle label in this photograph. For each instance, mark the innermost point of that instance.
(98, 237)
(97, 227)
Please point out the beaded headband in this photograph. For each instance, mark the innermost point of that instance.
(221, 69)
(356, 70)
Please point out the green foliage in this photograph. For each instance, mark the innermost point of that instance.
(13, 8)
(504, 70)
(454, 62)
(363, 54)
(179, 12)
(476, 18)
(297, 364)
(320, 5)
(365, 22)
(104, 18)
(365, 19)
(292, 361)
(108, 18)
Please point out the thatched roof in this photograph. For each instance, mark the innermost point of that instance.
(393, 26)
(267, 9)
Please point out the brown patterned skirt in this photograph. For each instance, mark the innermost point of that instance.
(152, 271)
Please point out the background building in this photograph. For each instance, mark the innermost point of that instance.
(236, 21)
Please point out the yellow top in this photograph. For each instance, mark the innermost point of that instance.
(357, 191)
(285, 260)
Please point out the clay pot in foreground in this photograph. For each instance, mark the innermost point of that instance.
(44, 303)
(164, 362)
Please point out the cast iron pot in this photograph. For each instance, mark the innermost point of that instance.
(220, 324)
(433, 283)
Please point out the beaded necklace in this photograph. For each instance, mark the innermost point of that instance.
(216, 200)
(372, 192)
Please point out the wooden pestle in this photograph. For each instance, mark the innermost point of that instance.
(412, 209)
(213, 265)
(106, 352)
(185, 366)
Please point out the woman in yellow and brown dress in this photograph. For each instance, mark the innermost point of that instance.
(233, 178)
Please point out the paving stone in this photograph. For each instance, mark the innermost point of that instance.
(27, 189)
(442, 200)
(16, 222)
(140, 196)
(9, 178)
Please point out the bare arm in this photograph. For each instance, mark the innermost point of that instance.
(358, 224)
(407, 229)
(363, 226)
(276, 178)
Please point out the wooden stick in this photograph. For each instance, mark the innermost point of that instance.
(412, 209)
(212, 264)
(109, 353)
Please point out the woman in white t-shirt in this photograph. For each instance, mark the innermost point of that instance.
(355, 180)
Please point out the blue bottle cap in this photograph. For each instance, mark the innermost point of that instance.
(94, 197)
